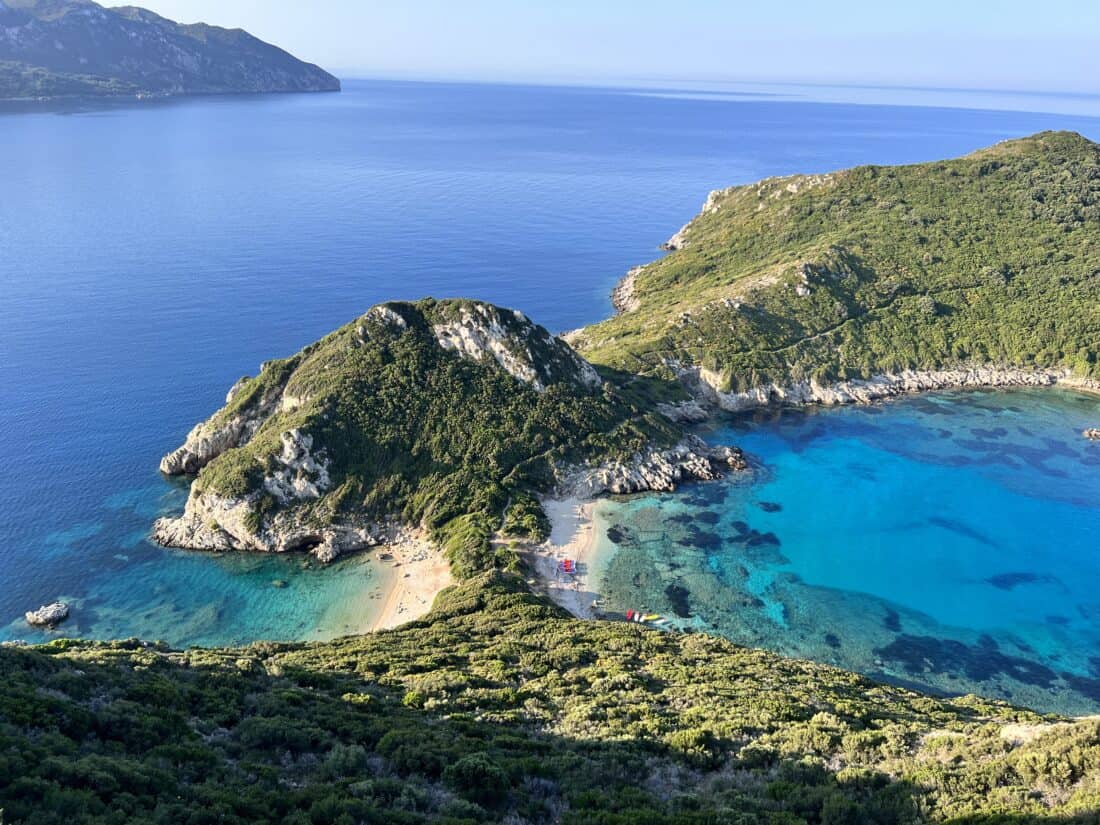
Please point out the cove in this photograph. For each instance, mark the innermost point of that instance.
(944, 541)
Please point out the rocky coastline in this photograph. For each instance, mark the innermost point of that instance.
(623, 298)
(214, 524)
(221, 524)
(704, 386)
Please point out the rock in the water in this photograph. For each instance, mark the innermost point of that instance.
(49, 615)
(1092, 434)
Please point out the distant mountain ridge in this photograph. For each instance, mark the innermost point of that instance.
(78, 48)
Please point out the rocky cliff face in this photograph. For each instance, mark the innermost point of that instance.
(622, 296)
(209, 439)
(77, 47)
(485, 333)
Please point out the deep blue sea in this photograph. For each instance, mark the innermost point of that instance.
(154, 253)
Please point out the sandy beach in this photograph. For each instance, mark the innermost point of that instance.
(403, 581)
(572, 536)
(410, 573)
(417, 571)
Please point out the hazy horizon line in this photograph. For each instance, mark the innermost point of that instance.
(637, 82)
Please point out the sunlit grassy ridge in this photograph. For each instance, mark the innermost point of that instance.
(498, 707)
(993, 258)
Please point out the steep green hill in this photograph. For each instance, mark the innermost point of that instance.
(990, 259)
(448, 414)
(498, 708)
(78, 48)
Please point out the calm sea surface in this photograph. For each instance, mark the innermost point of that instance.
(153, 254)
(947, 541)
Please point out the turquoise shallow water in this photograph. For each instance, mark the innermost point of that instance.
(195, 598)
(947, 541)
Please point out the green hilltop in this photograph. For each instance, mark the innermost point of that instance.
(990, 259)
(452, 415)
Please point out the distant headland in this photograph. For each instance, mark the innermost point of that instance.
(59, 49)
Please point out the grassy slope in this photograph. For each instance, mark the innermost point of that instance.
(991, 258)
(414, 430)
(498, 704)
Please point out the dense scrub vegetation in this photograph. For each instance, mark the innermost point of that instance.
(993, 258)
(18, 80)
(497, 707)
(411, 429)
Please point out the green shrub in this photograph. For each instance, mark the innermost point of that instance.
(477, 778)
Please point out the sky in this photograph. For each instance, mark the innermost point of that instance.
(1035, 45)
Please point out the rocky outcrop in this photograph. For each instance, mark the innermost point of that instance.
(658, 470)
(49, 615)
(680, 239)
(684, 412)
(298, 474)
(705, 385)
(1092, 434)
(623, 298)
(217, 524)
(224, 431)
(204, 443)
(482, 332)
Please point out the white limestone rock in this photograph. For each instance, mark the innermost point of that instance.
(656, 469)
(706, 386)
(525, 351)
(49, 615)
(623, 298)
